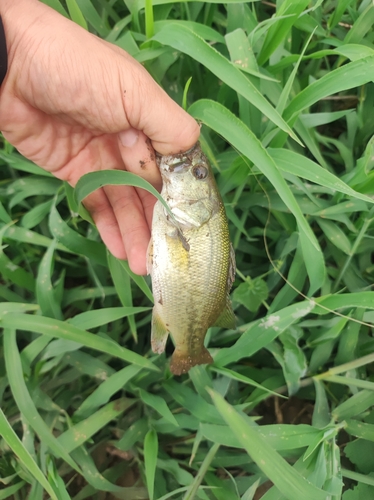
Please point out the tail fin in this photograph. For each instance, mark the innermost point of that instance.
(182, 362)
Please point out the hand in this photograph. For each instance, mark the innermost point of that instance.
(73, 103)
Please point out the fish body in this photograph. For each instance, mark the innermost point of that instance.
(191, 260)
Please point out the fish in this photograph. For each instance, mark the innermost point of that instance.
(190, 259)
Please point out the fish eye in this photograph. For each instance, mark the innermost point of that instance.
(200, 172)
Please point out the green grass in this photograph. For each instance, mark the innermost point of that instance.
(285, 94)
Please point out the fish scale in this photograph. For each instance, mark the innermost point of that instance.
(190, 260)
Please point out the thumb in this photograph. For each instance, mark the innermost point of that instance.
(150, 109)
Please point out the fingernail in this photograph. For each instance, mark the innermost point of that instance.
(128, 137)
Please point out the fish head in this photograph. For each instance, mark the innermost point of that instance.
(186, 175)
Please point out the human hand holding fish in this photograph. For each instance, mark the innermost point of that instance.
(73, 103)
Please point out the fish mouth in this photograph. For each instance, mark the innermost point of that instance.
(180, 162)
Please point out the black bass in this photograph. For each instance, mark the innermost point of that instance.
(190, 259)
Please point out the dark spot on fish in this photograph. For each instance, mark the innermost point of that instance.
(207, 234)
(142, 164)
(166, 324)
(160, 301)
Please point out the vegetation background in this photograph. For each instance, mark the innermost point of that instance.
(285, 92)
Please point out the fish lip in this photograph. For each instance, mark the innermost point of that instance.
(165, 162)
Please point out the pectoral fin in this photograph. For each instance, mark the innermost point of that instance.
(159, 333)
(227, 317)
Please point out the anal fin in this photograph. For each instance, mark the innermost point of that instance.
(159, 334)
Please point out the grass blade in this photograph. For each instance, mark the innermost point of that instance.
(281, 473)
(183, 39)
(15, 444)
(24, 400)
(59, 329)
(150, 460)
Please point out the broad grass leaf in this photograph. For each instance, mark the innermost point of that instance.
(328, 332)
(91, 474)
(92, 17)
(278, 32)
(296, 277)
(76, 14)
(241, 54)
(32, 350)
(361, 26)
(18, 162)
(79, 433)
(24, 400)
(88, 365)
(15, 444)
(335, 235)
(222, 121)
(75, 242)
(102, 394)
(261, 332)
(242, 378)
(139, 280)
(202, 30)
(88, 183)
(360, 429)
(24, 235)
(185, 40)
(321, 411)
(56, 4)
(345, 300)
(9, 492)
(45, 293)
(141, 3)
(296, 164)
(287, 480)
(15, 274)
(349, 76)
(80, 294)
(59, 329)
(122, 282)
(149, 20)
(34, 216)
(251, 491)
(193, 402)
(280, 437)
(294, 360)
(351, 382)
(182, 476)
(158, 404)
(21, 189)
(4, 216)
(92, 319)
(16, 308)
(150, 460)
(355, 405)
(134, 434)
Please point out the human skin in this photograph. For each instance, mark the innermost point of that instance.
(73, 103)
